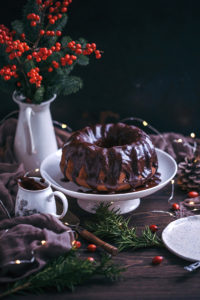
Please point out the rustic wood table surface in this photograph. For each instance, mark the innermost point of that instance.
(142, 280)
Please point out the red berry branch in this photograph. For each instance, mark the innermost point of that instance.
(29, 61)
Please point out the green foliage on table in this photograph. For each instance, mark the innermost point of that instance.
(66, 272)
(114, 228)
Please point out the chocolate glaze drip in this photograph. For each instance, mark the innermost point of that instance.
(111, 150)
(154, 181)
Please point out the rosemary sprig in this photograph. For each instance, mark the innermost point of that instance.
(109, 225)
(66, 272)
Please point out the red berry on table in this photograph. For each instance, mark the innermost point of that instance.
(175, 206)
(91, 259)
(153, 228)
(77, 244)
(193, 194)
(92, 248)
(157, 260)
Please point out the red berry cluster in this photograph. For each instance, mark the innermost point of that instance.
(16, 48)
(5, 35)
(35, 77)
(42, 54)
(67, 60)
(50, 32)
(56, 11)
(9, 71)
(89, 49)
(35, 19)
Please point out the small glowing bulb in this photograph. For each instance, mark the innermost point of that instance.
(172, 181)
(144, 123)
(64, 126)
(18, 262)
(179, 141)
(66, 223)
(111, 202)
(193, 135)
(191, 202)
(37, 170)
(73, 242)
(43, 242)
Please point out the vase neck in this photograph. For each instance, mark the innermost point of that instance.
(19, 99)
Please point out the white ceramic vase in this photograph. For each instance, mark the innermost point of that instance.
(35, 136)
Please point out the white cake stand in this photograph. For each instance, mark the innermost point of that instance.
(125, 202)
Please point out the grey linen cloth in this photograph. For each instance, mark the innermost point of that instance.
(20, 237)
(20, 240)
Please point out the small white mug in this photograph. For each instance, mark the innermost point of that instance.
(30, 202)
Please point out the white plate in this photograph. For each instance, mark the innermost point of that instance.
(182, 237)
(50, 170)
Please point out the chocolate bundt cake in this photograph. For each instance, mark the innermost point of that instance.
(111, 157)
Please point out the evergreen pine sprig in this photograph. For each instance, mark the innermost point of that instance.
(65, 272)
(109, 225)
(36, 59)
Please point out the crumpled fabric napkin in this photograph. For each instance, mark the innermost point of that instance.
(169, 142)
(20, 240)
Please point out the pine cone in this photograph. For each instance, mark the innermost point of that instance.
(189, 174)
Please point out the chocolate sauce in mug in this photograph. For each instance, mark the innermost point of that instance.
(31, 184)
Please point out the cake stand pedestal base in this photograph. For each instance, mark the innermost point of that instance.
(124, 206)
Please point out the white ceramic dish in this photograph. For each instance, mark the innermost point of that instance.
(182, 237)
(126, 202)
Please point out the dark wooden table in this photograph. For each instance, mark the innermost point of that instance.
(142, 280)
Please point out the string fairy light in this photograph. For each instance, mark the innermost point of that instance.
(43, 242)
(18, 262)
(179, 140)
(145, 124)
(64, 126)
(184, 143)
(21, 261)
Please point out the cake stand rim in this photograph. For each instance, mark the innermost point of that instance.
(104, 197)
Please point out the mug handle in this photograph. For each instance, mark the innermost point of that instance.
(65, 204)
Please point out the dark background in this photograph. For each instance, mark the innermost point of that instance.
(150, 67)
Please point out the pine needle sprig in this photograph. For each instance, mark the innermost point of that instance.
(109, 225)
(66, 272)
